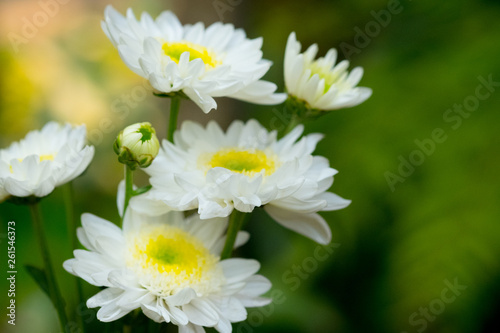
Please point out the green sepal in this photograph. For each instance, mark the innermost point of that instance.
(301, 109)
(24, 200)
(117, 144)
(180, 94)
(142, 190)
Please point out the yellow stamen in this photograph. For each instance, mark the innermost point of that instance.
(49, 157)
(248, 162)
(46, 158)
(167, 258)
(174, 51)
(324, 72)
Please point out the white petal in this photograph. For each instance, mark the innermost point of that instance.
(104, 297)
(355, 76)
(152, 312)
(256, 285)
(224, 326)
(260, 92)
(236, 269)
(205, 102)
(309, 225)
(180, 298)
(334, 202)
(191, 328)
(111, 312)
(201, 313)
(233, 309)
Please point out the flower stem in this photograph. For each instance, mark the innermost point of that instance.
(235, 223)
(55, 294)
(175, 103)
(294, 121)
(129, 190)
(72, 226)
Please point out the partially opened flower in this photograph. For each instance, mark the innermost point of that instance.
(169, 267)
(320, 83)
(43, 160)
(201, 62)
(244, 168)
(137, 145)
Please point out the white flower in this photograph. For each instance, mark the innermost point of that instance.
(244, 168)
(320, 83)
(203, 63)
(43, 160)
(170, 268)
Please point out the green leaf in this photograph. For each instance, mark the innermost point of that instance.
(40, 278)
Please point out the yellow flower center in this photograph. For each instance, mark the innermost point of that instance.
(168, 259)
(324, 72)
(49, 157)
(249, 162)
(46, 157)
(174, 51)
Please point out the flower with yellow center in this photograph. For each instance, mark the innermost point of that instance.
(168, 266)
(43, 160)
(321, 84)
(245, 167)
(203, 63)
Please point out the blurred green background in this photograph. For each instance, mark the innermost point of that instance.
(418, 248)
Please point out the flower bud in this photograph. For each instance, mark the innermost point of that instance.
(137, 145)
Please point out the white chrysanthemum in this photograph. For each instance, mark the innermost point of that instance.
(320, 83)
(43, 160)
(203, 63)
(244, 168)
(170, 268)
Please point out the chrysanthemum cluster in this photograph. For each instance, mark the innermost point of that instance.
(171, 256)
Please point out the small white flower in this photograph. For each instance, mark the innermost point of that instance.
(244, 168)
(202, 63)
(137, 145)
(320, 83)
(169, 267)
(43, 160)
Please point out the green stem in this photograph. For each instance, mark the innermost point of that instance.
(54, 292)
(129, 187)
(175, 103)
(72, 225)
(235, 223)
(294, 121)
(70, 213)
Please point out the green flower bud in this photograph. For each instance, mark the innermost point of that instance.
(137, 145)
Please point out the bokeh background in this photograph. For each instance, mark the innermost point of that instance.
(416, 251)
